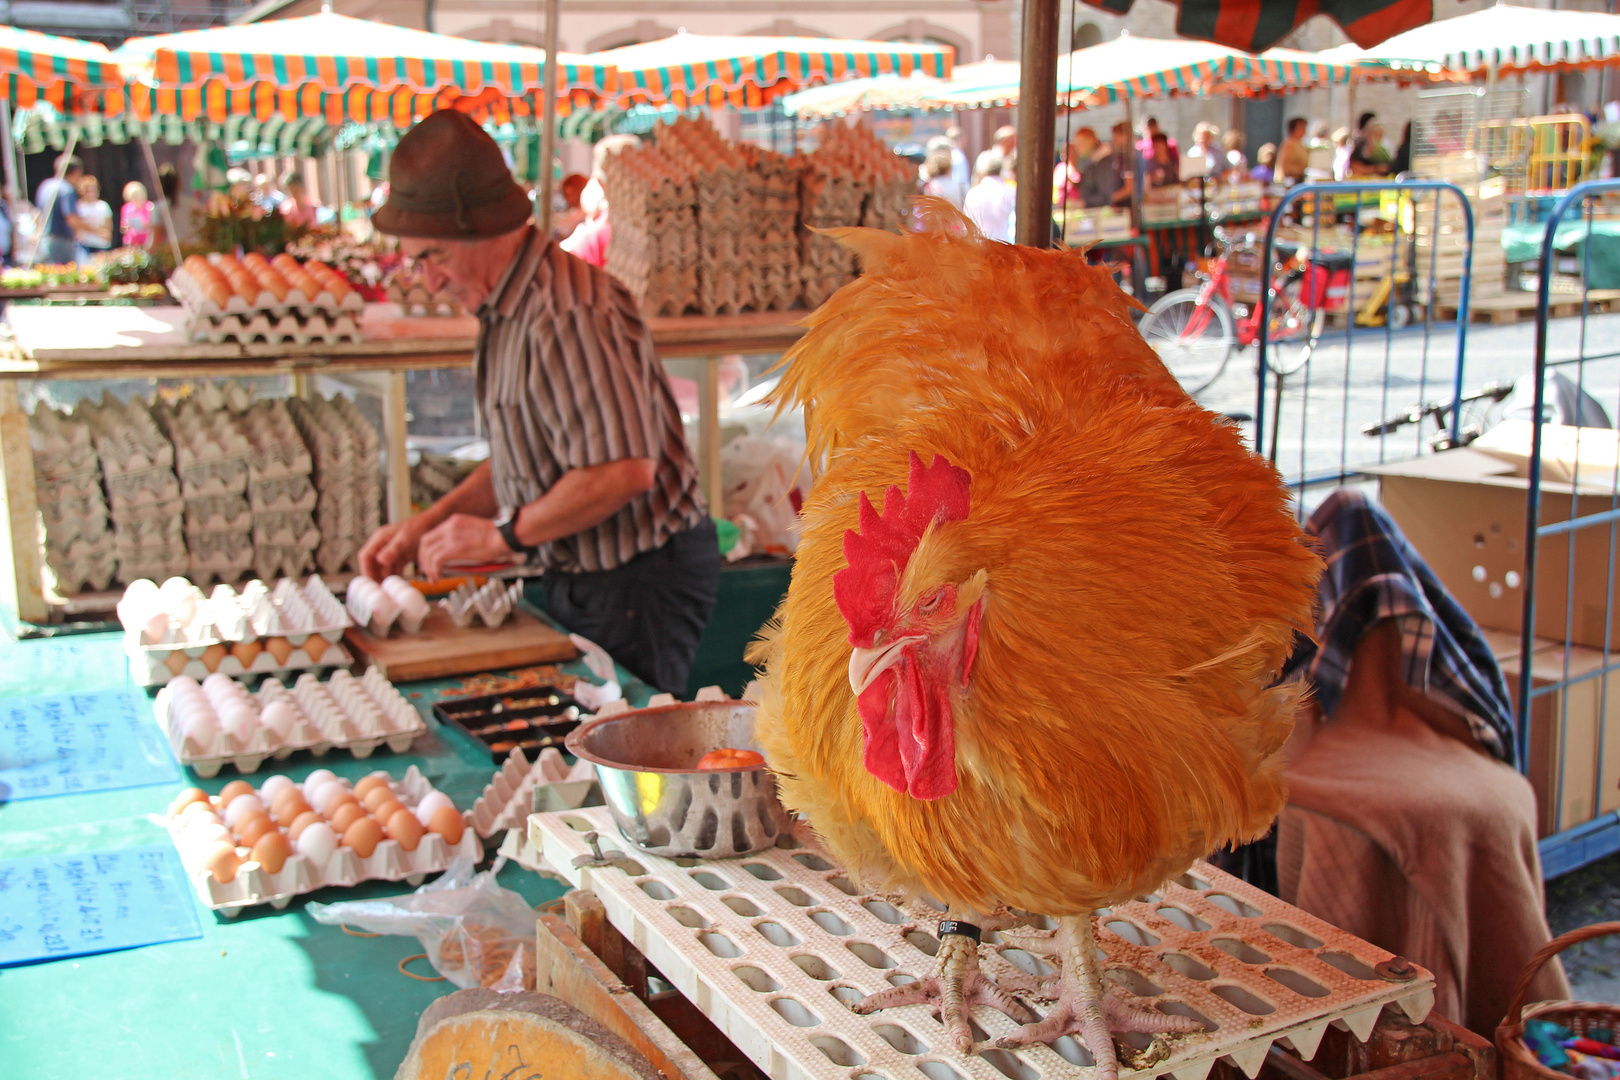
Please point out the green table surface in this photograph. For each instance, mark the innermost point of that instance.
(267, 994)
(1601, 268)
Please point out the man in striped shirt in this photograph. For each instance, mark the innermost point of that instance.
(589, 476)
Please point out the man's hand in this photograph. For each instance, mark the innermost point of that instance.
(463, 537)
(391, 548)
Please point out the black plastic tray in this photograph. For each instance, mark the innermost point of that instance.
(529, 719)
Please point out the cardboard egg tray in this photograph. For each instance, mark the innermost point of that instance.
(416, 299)
(389, 862)
(357, 715)
(317, 326)
(192, 296)
(775, 947)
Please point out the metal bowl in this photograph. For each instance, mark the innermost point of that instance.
(646, 762)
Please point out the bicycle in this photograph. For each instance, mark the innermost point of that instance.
(1478, 417)
(1196, 331)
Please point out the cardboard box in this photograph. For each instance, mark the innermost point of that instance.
(1464, 511)
(1567, 738)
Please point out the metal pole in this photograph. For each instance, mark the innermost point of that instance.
(1037, 116)
(162, 201)
(548, 120)
(9, 153)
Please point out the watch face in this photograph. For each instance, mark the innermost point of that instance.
(504, 516)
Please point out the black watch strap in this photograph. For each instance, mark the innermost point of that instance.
(508, 531)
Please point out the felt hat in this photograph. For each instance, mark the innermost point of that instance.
(448, 180)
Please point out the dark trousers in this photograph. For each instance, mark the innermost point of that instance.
(650, 613)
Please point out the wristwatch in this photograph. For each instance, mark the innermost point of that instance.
(506, 525)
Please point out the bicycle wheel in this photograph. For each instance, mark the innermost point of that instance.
(1294, 329)
(1194, 342)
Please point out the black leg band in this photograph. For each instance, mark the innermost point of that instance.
(960, 929)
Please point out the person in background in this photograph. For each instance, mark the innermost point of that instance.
(571, 187)
(59, 201)
(1341, 154)
(8, 232)
(989, 204)
(1368, 155)
(1144, 146)
(265, 192)
(1236, 165)
(959, 161)
(239, 183)
(1402, 161)
(1002, 145)
(1069, 177)
(1119, 165)
(1206, 154)
(1160, 169)
(590, 238)
(95, 231)
(1265, 160)
(136, 217)
(1321, 150)
(298, 207)
(1100, 176)
(1293, 157)
(935, 174)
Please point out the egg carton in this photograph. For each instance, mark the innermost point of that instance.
(73, 495)
(218, 556)
(274, 561)
(416, 299)
(88, 568)
(274, 329)
(357, 715)
(337, 553)
(511, 795)
(293, 529)
(84, 517)
(60, 442)
(218, 513)
(196, 296)
(344, 868)
(280, 495)
(126, 437)
(278, 452)
(381, 606)
(493, 603)
(157, 490)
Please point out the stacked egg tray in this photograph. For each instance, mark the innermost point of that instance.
(851, 178)
(530, 719)
(211, 460)
(143, 490)
(242, 856)
(417, 299)
(347, 473)
(254, 299)
(67, 487)
(654, 252)
(260, 631)
(775, 947)
(280, 496)
(219, 722)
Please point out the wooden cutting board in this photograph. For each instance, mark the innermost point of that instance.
(443, 648)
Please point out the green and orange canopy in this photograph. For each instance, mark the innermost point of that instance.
(339, 68)
(42, 67)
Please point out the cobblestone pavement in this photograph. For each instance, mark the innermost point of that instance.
(1589, 895)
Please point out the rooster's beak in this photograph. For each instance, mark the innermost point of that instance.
(865, 665)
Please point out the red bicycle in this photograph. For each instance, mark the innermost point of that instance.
(1196, 331)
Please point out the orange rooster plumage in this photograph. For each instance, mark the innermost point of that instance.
(1038, 604)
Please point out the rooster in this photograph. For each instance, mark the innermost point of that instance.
(1039, 678)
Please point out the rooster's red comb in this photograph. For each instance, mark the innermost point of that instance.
(878, 553)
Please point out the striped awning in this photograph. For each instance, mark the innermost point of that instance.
(42, 127)
(697, 69)
(1255, 25)
(1136, 67)
(891, 91)
(1508, 38)
(345, 69)
(43, 67)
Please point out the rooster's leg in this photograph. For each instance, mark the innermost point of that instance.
(954, 987)
(1083, 1007)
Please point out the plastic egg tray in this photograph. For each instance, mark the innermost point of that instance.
(509, 796)
(192, 295)
(380, 607)
(252, 885)
(346, 713)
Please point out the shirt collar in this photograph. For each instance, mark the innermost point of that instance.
(503, 299)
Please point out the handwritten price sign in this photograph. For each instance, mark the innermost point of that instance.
(65, 743)
(55, 906)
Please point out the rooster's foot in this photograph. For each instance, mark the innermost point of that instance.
(1084, 1009)
(955, 986)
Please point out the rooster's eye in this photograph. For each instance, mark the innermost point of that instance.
(931, 603)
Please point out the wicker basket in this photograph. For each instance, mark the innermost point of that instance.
(1519, 1061)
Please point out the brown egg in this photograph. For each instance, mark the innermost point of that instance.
(232, 790)
(344, 816)
(250, 828)
(272, 852)
(186, 798)
(221, 861)
(386, 809)
(280, 648)
(302, 822)
(376, 796)
(404, 827)
(367, 783)
(363, 836)
(288, 804)
(211, 656)
(448, 823)
(247, 652)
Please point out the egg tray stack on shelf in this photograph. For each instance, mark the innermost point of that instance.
(211, 459)
(724, 221)
(436, 475)
(280, 495)
(774, 204)
(267, 845)
(176, 631)
(218, 721)
(347, 474)
(255, 299)
(67, 485)
(851, 178)
(654, 251)
(417, 299)
(143, 490)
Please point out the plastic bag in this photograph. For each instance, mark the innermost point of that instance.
(475, 932)
(764, 486)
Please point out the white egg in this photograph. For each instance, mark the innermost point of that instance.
(431, 803)
(201, 728)
(315, 780)
(240, 807)
(184, 684)
(279, 717)
(317, 842)
(204, 832)
(275, 784)
(321, 796)
(239, 721)
(155, 627)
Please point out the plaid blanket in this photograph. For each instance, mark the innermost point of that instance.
(1374, 573)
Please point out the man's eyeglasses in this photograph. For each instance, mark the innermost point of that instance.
(434, 257)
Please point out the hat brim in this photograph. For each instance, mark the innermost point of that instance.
(511, 211)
